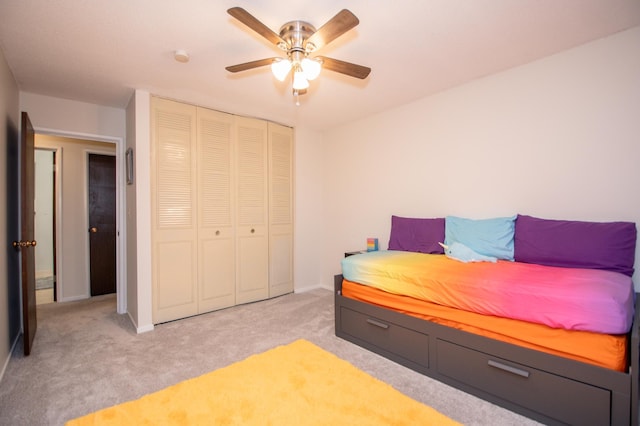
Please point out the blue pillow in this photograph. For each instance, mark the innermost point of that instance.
(489, 237)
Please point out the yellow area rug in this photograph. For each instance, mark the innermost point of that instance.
(295, 384)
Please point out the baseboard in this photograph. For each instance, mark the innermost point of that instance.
(143, 329)
(6, 362)
(307, 289)
(73, 298)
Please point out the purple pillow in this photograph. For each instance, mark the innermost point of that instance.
(417, 235)
(573, 244)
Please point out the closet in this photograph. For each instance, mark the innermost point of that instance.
(222, 211)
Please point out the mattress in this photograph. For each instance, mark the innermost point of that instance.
(563, 298)
(603, 350)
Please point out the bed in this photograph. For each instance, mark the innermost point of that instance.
(535, 315)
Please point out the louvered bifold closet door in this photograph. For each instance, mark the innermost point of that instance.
(216, 234)
(252, 249)
(280, 210)
(173, 211)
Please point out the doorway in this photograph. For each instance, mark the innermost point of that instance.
(45, 177)
(102, 224)
(71, 211)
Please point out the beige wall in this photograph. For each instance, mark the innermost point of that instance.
(557, 138)
(9, 291)
(130, 202)
(72, 238)
(139, 214)
(44, 204)
(309, 236)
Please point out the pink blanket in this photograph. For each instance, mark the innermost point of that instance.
(569, 298)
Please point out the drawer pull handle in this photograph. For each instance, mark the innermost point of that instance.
(509, 369)
(377, 323)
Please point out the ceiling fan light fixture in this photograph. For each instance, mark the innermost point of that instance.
(311, 68)
(280, 68)
(300, 82)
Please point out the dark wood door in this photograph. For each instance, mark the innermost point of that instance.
(102, 223)
(27, 242)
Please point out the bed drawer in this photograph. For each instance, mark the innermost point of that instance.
(395, 340)
(570, 402)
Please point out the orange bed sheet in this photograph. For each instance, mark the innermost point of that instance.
(603, 350)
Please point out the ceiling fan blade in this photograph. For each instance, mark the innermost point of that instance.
(347, 68)
(252, 22)
(250, 65)
(334, 28)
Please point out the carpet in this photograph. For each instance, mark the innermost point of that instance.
(295, 384)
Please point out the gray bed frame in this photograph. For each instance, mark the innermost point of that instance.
(544, 387)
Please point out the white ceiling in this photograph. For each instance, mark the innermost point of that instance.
(100, 51)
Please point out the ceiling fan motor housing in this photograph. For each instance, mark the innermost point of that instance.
(295, 34)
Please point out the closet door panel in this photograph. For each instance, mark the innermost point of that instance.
(280, 210)
(218, 274)
(253, 259)
(173, 210)
(216, 231)
(281, 263)
(174, 292)
(252, 210)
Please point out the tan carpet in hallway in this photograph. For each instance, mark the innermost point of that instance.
(87, 357)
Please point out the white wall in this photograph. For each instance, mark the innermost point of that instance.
(63, 116)
(557, 138)
(308, 201)
(9, 289)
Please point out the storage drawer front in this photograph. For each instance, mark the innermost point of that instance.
(406, 343)
(554, 396)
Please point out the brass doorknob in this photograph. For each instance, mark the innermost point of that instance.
(93, 229)
(24, 243)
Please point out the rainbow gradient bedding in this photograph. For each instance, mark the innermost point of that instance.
(569, 298)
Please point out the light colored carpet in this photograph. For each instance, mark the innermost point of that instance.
(87, 357)
(294, 384)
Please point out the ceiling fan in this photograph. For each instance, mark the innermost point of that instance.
(299, 40)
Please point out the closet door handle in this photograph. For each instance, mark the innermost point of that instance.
(253, 231)
(509, 369)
